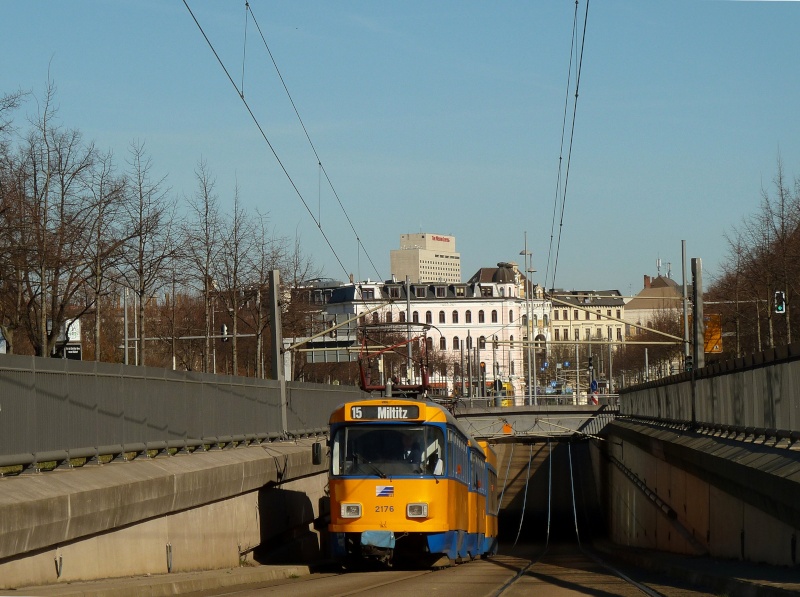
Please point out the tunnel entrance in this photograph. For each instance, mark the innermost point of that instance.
(531, 522)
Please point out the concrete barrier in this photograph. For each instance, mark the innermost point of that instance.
(176, 513)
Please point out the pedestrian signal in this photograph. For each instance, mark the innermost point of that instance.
(780, 301)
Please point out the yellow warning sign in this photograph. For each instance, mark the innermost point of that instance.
(713, 332)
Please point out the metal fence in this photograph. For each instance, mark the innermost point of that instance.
(58, 410)
(759, 391)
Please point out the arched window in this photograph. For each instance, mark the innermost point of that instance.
(455, 316)
(468, 316)
(482, 342)
(415, 317)
(545, 320)
(441, 317)
(469, 342)
(535, 320)
(429, 343)
(402, 316)
(388, 317)
(481, 318)
(428, 317)
(511, 340)
(511, 316)
(375, 318)
(456, 343)
(512, 368)
(442, 343)
(494, 315)
(524, 321)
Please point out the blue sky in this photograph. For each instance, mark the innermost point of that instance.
(443, 117)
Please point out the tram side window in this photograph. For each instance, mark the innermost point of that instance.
(434, 455)
(477, 471)
(459, 461)
(464, 470)
(492, 501)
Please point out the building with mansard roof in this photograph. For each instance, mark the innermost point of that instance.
(588, 315)
(484, 320)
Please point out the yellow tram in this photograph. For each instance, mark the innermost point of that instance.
(408, 482)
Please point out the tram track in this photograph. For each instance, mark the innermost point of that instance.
(575, 565)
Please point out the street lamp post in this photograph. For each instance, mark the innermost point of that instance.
(528, 305)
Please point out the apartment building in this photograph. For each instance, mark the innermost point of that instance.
(484, 320)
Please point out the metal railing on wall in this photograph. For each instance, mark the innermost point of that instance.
(759, 391)
(57, 410)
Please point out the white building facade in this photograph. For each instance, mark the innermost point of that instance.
(470, 323)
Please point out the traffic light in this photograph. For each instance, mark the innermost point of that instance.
(688, 364)
(483, 367)
(780, 301)
(224, 332)
(591, 363)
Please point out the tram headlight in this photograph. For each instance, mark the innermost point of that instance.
(417, 510)
(351, 511)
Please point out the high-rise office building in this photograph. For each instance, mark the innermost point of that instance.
(426, 257)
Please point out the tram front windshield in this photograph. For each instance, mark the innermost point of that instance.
(386, 450)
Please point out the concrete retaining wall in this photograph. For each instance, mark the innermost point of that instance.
(761, 390)
(180, 513)
(697, 495)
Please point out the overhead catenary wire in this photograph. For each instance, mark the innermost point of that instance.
(321, 170)
(244, 46)
(266, 139)
(561, 147)
(571, 140)
(311, 143)
(525, 495)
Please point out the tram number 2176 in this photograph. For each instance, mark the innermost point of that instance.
(384, 508)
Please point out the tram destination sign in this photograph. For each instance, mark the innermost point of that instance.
(384, 413)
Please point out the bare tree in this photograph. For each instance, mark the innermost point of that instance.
(237, 236)
(780, 217)
(201, 244)
(57, 212)
(268, 253)
(107, 235)
(150, 218)
(13, 241)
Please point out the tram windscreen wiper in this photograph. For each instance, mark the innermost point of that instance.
(374, 467)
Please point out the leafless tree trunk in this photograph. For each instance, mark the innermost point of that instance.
(107, 234)
(201, 244)
(58, 212)
(238, 236)
(267, 253)
(151, 215)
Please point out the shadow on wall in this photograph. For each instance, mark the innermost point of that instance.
(291, 532)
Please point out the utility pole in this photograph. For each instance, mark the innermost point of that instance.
(685, 303)
(277, 341)
(409, 365)
(698, 324)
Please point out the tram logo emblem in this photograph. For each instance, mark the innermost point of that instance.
(384, 490)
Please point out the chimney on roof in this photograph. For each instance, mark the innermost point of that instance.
(647, 281)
